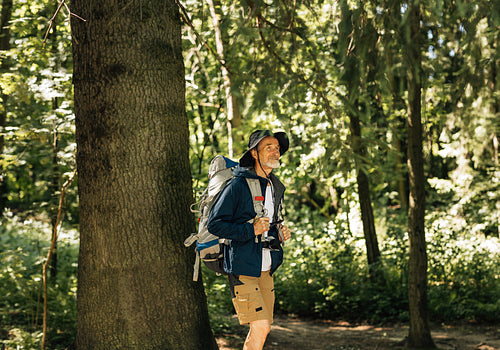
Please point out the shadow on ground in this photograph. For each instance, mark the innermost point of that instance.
(294, 334)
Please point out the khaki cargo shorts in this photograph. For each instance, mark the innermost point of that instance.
(253, 297)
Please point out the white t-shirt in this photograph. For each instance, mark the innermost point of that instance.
(269, 205)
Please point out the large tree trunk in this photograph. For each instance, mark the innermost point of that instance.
(135, 288)
(419, 333)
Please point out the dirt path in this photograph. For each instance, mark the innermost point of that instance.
(295, 334)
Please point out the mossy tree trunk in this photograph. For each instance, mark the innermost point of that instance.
(135, 288)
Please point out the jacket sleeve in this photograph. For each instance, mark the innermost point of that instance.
(230, 213)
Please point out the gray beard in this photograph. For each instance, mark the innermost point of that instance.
(273, 164)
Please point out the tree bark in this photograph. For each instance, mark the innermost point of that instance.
(494, 84)
(353, 76)
(54, 208)
(372, 250)
(55, 178)
(419, 333)
(398, 128)
(135, 288)
(5, 16)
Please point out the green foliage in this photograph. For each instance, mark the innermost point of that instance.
(325, 274)
(23, 250)
(220, 306)
(327, 60)
(463, 272)
(37, 96)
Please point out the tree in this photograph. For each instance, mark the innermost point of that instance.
(5, 16)
(134, 279)
(419, 333)
(232, 109)
(360, 53)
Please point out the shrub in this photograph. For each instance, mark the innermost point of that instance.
(23, 251)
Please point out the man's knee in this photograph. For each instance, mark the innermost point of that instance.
(263, 327)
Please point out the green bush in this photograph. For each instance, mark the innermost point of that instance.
(463, 274)
(220, 306)
(325, 273)
(22, 253)
(327, 276)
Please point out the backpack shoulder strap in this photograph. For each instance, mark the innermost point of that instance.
(257, 198)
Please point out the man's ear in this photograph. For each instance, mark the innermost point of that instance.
(253, 152)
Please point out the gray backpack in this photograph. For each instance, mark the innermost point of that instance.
(209, 248)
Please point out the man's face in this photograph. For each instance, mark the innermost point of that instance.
(269, 153)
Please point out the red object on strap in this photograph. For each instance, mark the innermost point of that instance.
(259, 198)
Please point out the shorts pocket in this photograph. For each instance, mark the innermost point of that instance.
(243, 299)
(248, 303)
(242, 304)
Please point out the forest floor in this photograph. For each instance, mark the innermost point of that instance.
(290, 333)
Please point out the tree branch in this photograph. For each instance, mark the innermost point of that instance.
(288, 67)
(187, 20)
(49, 255)
(52, 20)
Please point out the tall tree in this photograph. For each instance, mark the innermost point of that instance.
(5, 16)
(419, 333)
(494, 85)
(359, 39)
(391, 42)
(55, 178)
(233, 114)
(134, 276)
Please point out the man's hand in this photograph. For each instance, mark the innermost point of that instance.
(286, 232)
(260, 225)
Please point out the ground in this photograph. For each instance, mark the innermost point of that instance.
(290, 333)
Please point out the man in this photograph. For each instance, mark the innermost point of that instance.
(254, 251)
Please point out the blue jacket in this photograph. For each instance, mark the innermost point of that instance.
(229, 218)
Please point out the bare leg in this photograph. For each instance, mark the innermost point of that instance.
(257, 335)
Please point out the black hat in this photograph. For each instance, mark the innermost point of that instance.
(256, 137)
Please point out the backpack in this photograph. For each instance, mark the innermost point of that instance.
(209, 248)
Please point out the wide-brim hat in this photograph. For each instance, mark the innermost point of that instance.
(247, 160)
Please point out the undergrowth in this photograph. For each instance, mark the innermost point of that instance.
(324, 275)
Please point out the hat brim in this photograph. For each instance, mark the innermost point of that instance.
(247, 160)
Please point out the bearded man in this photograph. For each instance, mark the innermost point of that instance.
(253, 250)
